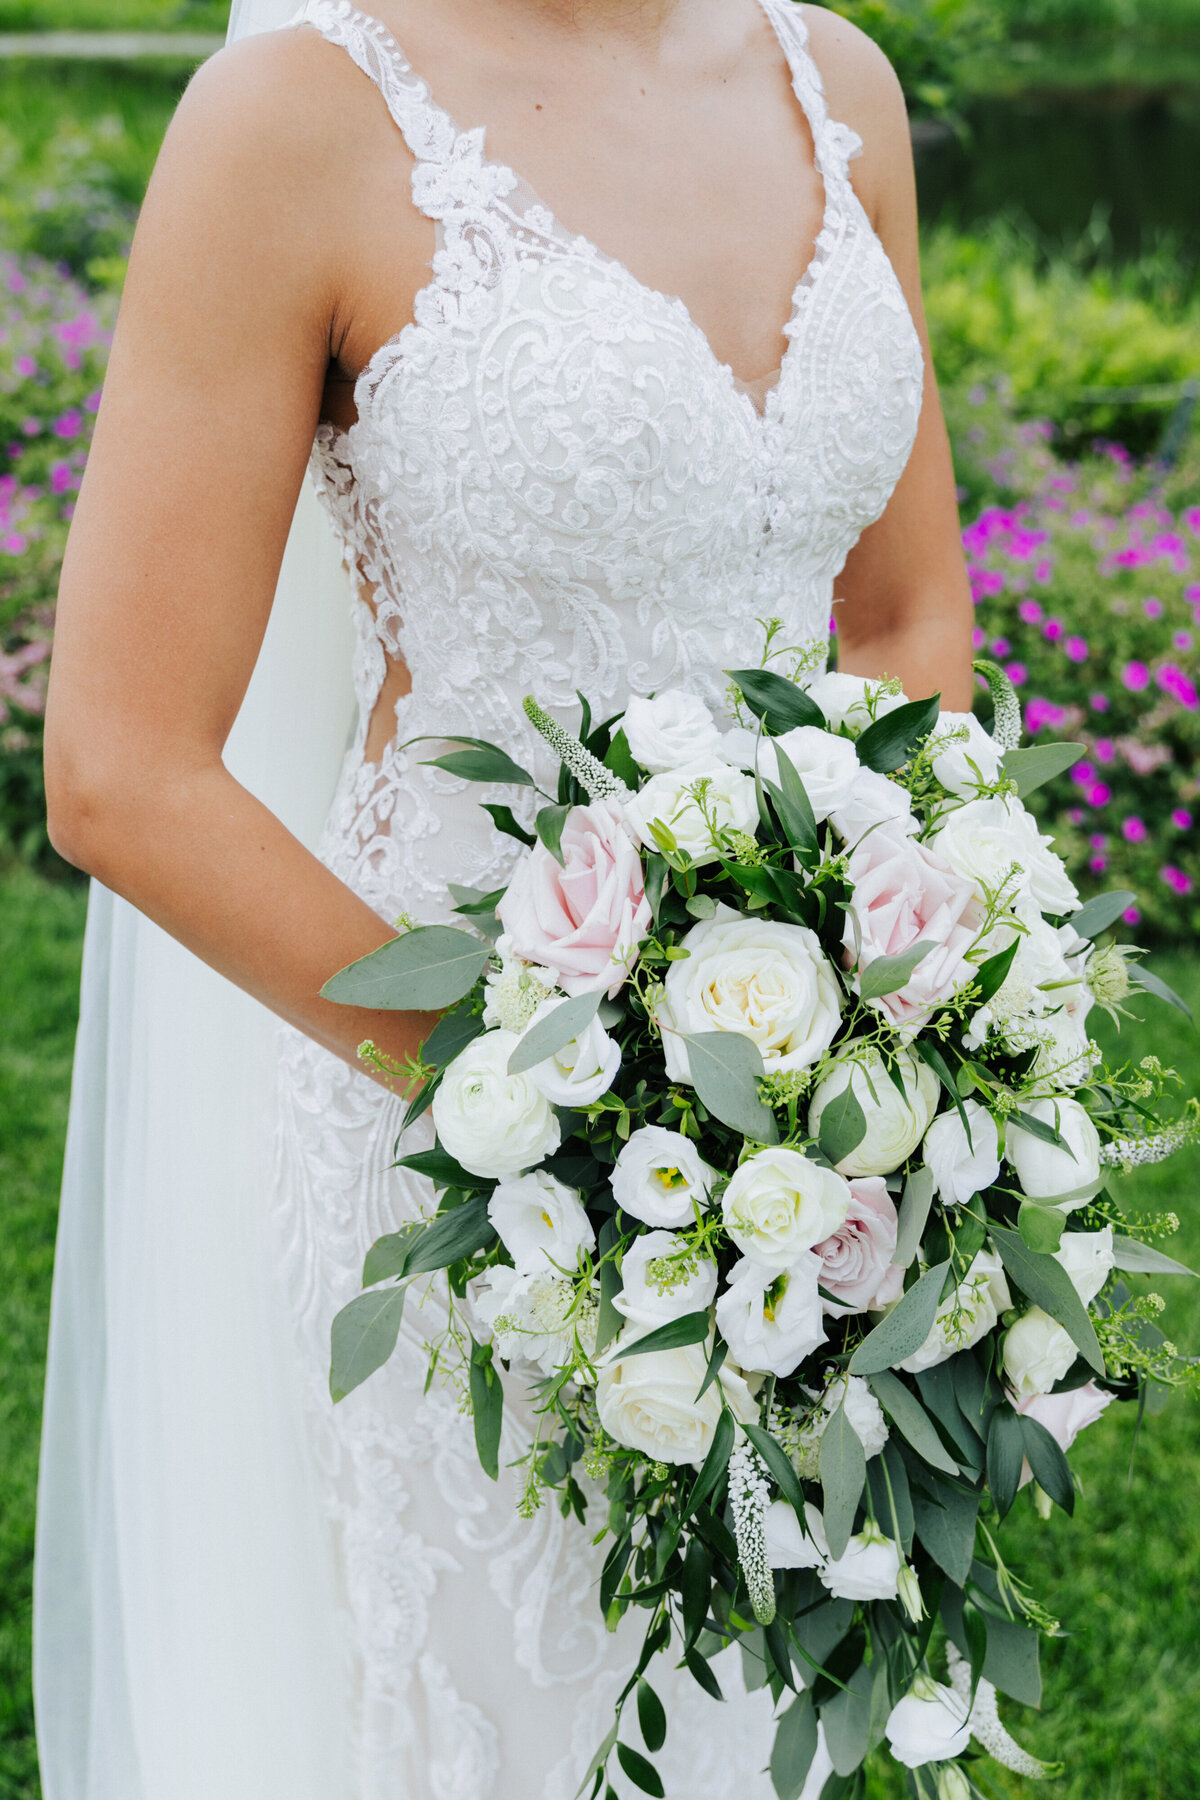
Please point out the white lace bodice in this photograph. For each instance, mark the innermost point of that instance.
(553, 484)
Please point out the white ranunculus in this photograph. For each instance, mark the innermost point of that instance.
(580, 1071)
(965, 756)
(996, 844)
(661, 1178)
(768, 980)
(789, 1545)
(730, 801)
(960, 1169)
(1037, 1352)
(826, 764)
(671, 729)
(780, 1203)
(895, 1125)
(868, 1568)
(928, 1725)
(651, 1297)
(965, 1315)
(1088, 1258)
(1047, 1171)
(873, 801)
(533, 1318)
(492, 1122)
(772, 1319)
(540, 1222)
(649, 1402)
(851, 701)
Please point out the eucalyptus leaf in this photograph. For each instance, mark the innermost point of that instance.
(1033, 767)
(420, 971)
(1041, 1226)
(843, 1475)
(779, 1467)
(847, 1722)
(888, 974)
(1005, 1456)
(451, 1035)
(905, 1328)
(560, 1026)
(794, 1748)
(474, 900)
(1101, 912)
(726, 1067)
(387, 1256)
(779, 703)
(1138, 1258)
(888, 743)
(692, 1328)
(843, 1125)
(945, 1520)
(911, 1420)
(914, 1211)
(1051, 1470)
(362, 1338)
(1044, 1281)
(1150, 983)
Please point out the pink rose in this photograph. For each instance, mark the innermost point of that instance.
(1063, 1415)
(902, 893)
(582, 918)
(856, 1262)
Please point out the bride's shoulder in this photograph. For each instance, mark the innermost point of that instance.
(862, 91)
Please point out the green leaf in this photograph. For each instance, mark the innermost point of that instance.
(780, 704)
(726, 1068)
(619, 759)
(889, 742)
(888, 1480)
(1032, 768)
(420, 971)
(1150, 983)
(474, 900)
(1038, 1128)
(843, 1125)
(441, 1168)
(652, 1716)
(451, 1035)
(888, 974)
(482, 762)
(700, 1671)
(1131, 1254)
(608, 1320)
(1047, 1284)
(716, 1363)
(905, 1328)
(779, 1467)
(991, 975)
(1051, 1470)
(795, 807)
(504, 819)
(642, 1773)
(363, 1337)
(847, 1722)
(911, 1420)
(715, 1463)
(1041, 1227)
(794, 1748)
(487, 1404)
(549, 826)
(695, 1585)
(945, 1521)
(914, 1211)
(1012, 1649)
(1101, 912)
(843, 1474)
(1005, 1456)
(692, 1328)
(559, 1027)
(386, 1258)
(451, 1236)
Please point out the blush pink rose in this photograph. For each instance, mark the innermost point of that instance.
(1063, 1415)
(901, 894)
(582, 918)
(856, 1261)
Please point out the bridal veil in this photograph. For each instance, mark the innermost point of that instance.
(184, 1638)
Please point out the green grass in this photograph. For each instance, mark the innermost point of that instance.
(114, 15)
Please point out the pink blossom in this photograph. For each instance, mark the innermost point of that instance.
(856, 1262)
(902, 894)
(1175, 878)
(1064, 1415)
(1182, 640)
(1100, 795)
(1099, 840)
(1099, 703)
(1152, 608)
(1132, 915)
(1030, 612)
(1076, 649)
(1191, 519)
(1097, 864)
(1133, 830)
(1017, 673)
(1001, 647)
(1052, 630)
(1181, 819)
(1075, 815)
(1104, 749)
(978, 638)
(1135, 676)
(1173, 681)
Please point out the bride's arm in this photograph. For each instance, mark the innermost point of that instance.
(208, 414)
(905, 601)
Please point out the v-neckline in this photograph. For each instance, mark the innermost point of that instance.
(553, 225)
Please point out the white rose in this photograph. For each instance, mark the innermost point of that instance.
(534, 1318)
(670, 729)
(649, 1402)
(996, 844)
(789, 1544)
(873, 801)
(960, 1169)
(540, 1222)
(852, 701)
(771, 1320)
(580, 1071)
(644, 1300)
(928, 1725)
(492, 1122)
(1088, 1258)
(895, 1125)
(965, 756)
(661, 1178)
(780, 1203)
(863, 1411)
(730, 802)
(868, 1568)
(1046, 1171)
(1037, 1352)
(965, 1315)
(761, 977)
(827, 765)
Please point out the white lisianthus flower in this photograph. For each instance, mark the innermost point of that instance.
(868, 1568)
(965, 756)
(928, 1725)
(872, 802)
(1047, 1171)
(850, 702)
(863, 1411)
(540, 1222)
(534, 1318)
(513, 992)
(827, 765)
(661, 1178)
(960, 1169)
(780, 1203)
(966, 1314)
(730, 802)
(492, 1122)
(768, 980)
(1088, 1258)
(995, 843)
(789, 1544)
(772, 1319)
(649, 1403)
(578, 1072)
(652, 1296)
(668, 730)
(895, 1125)
(1037, 1352)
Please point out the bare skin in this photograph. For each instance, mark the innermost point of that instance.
(278, 248)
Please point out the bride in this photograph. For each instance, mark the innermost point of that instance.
(582, 401)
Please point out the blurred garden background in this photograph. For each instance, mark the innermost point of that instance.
(1058, 147)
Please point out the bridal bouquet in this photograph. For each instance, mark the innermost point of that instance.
(772, 1150)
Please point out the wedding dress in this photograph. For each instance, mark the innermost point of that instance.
(552, 485)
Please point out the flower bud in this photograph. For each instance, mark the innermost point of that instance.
(952, 1784)
(1107, 975)
(909, 1591)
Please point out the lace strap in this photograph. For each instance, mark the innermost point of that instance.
(834, 144)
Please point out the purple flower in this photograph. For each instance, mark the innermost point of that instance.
(26, 367)
(1099, 795)
(1099, 840)
(1132, 915)
(70, 424)
(1076, 649)
(1030, 612)
(62, 478)
(1175, 878)
(1042, 571)
(1182, 640)
(15, 544)
(1097, 864)
(1152, 608)
(1135, 676)
(1133, 830)
(1001, 647)
(1083, 774)
(1191, 519)
(1099, 703)
(1075, 815)
(1104, 749)
(1052, 630)
(1017, 673)
(1173, 681)
(31, 427)
(978, 638)
(1181, 819)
